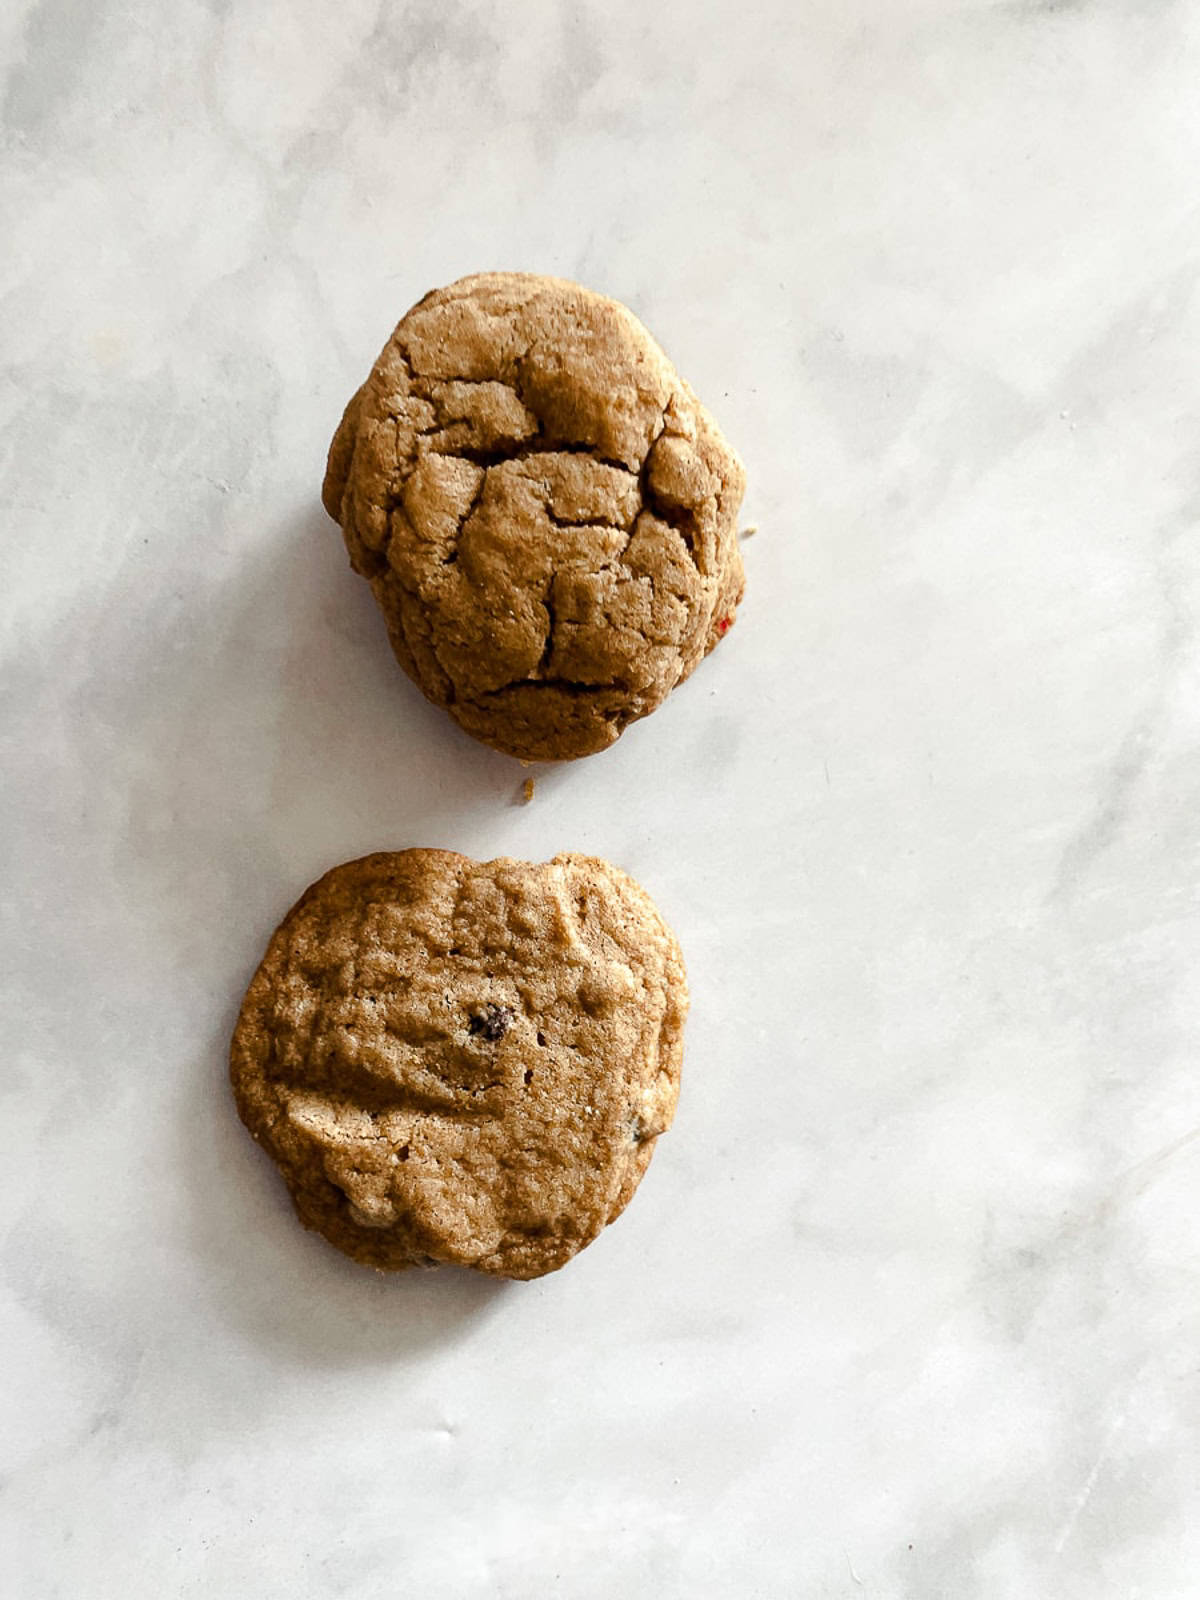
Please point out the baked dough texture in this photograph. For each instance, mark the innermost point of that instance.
(465, 1062)
(545, 512)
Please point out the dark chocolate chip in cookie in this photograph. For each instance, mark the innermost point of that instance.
(492, 1022)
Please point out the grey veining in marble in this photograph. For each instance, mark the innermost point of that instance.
(909, 1304)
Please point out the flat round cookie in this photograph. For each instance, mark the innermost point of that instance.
(461, 1061)
(545, 512)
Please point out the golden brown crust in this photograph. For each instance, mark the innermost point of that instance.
(544, 510)
(460, 1061)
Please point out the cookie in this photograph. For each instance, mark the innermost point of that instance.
(545, 512)
(461, 1061)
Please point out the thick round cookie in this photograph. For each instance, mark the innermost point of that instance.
(545, 512)
(463, 1061)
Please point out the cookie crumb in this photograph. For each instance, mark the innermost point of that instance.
(591, 429)
(494, 1062)
(749, 532)
(523, 793)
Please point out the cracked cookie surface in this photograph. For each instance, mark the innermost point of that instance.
(461, 1061)
(545, 512)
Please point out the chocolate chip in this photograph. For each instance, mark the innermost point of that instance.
(492, 1022)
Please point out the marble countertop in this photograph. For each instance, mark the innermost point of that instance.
(908, 1306)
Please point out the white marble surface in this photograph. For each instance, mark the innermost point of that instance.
(909, 1305)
